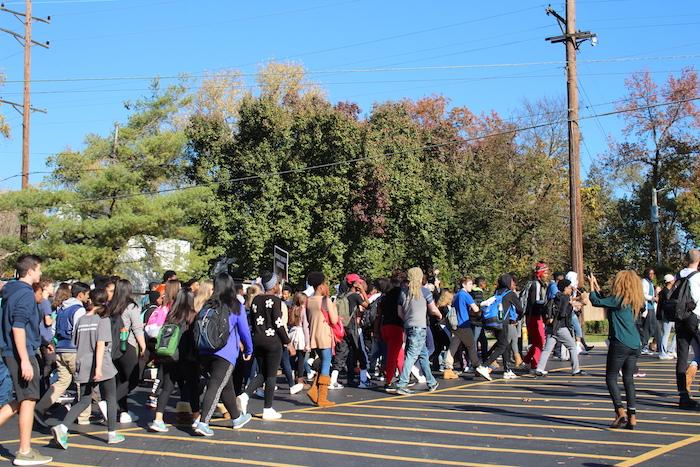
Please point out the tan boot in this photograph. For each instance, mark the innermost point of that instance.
(313, 390)
(449, 374)
(518, 360)
(323, 382)
(690, 376)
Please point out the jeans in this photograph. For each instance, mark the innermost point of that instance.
(564, 336)
(665, 349)
(621, 357)
(481, 340)
(416, 350)
(326, 356)
(462, 336)
(578, 332)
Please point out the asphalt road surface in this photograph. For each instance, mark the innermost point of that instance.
(557, 420)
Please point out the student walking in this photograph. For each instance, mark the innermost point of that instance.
(94, 367)
(623, 306)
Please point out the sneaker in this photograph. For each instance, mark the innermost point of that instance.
(422, 379)
(646, 351)
(589, 347)
(509, 375)
(297, 388)
(84, 422)
(195, 423)
(60, 434)
(65, 399)
(242, 403)
(115, 438)
(204, 430)
(686, 403)
(665, 357)
(405, 391)
(335, 386)
(31, 458)
(639, 374)
(271, 414)
(541, 373)
(152, 402)
(433, 387)
(103, 408)
(241, 421)
(128, 417)
(484, 371)
(579, 373)
(366, 385)
(449, 374)
(158, 426)
(390, 388)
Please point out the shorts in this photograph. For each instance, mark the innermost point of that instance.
(24, 390)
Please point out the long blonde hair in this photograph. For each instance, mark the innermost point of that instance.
(415, 282)
(252, 292)
(627, 286)
(445, 299)
(204, 293)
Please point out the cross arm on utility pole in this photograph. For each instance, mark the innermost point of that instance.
(18, 106)
(20, 38)
(17, 14)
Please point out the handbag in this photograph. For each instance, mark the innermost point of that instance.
(338, 329)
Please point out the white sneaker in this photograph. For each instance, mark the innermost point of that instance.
(296, 388)
(509, 375)
(242, 403)
(310, 374)
(128, 417)
(665, 357)
(336, 386)
(484, 371)
(103, 408)
(271, 414)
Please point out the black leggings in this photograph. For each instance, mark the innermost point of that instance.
(621, 357)
(500, 347)
(686, 331)
(268, 360)
(127, 376)
(300, 360)
(220, 386)
(186, 375)
(108, 389)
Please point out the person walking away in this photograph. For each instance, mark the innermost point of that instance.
(19, 341)
(558, 318)
(94, 367)
(414, 306)
(536, 301)
(392, 330)
(465, 307)
(269, 336)
(478, 294)
(298, 326)
(67, 318)
(221, 363)
(649, 325)
(322, 315)
(623, 306)
(126, 318)
(666, 351)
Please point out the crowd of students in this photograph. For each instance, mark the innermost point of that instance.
(222, 343)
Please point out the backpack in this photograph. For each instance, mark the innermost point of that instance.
(342, 304)
(370, 315)
(118, 345)
(551, 311)
(493, 314)
(168, 341)
(525, 294)
(64, 322)
(680, 304)
(156, 321)
(451, 318)
(211, 330)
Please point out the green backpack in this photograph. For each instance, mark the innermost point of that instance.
(168, 341)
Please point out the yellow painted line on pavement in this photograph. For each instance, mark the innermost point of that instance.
(659, 451)
(547, 399)
(473, 434)
(559, 393)
(39, 439)
(639, 414)
(179, 455)
(490, 423)
(306, 449)
(57, 464)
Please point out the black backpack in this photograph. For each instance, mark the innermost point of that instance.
(551, 311)
(117, 348)
(211, 329)
(680, 304)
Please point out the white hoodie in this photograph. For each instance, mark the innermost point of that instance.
(694, 287)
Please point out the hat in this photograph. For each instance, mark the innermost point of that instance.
(315, 279)
(352, 278)
(573, 277)
(563, 284)
(269, 280)
(669, 278)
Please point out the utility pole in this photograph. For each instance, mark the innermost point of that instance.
(27, 42)
(573, 38)
(655, 222)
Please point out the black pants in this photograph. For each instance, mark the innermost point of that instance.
(241, 374)
(220, 387)
(268, 359)
(299, 360)
(47, 363)
(686, 331)
(127, 375)
(108, 390)
(357, 352)
(186, 375)
(621, 357)
(500, 347)
(340, 359)
(650, 328)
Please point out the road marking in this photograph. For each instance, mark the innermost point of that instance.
(547, 399)
(659, 451)
(485, 422)
(57, 464)
(557, 393)
(38, 439)
(650, 421)
(180, 455)
(332, 452)
(467, 434)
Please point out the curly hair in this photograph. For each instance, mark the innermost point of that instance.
(627, 285)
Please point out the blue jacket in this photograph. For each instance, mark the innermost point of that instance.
(67, 317)
(239, 333)
(19, 310)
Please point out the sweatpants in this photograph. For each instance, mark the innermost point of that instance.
(108, 389)
(535, 336)
(565, 336)
(220, 387)
(268, 361)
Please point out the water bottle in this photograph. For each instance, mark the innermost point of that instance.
(123, 338)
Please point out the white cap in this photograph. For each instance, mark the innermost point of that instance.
(669, 278)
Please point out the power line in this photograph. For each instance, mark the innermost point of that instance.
(364, 158)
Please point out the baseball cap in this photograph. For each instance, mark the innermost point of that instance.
(669, 278)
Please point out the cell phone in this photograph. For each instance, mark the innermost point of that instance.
(588, 271)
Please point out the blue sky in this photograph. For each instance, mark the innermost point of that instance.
(141, 39)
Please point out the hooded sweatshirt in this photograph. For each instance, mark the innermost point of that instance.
(19, 310)
(694, 288)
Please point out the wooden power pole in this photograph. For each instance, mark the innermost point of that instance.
(573, 38)
(27, 42)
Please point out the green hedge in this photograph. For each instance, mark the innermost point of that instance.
(595, 327)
